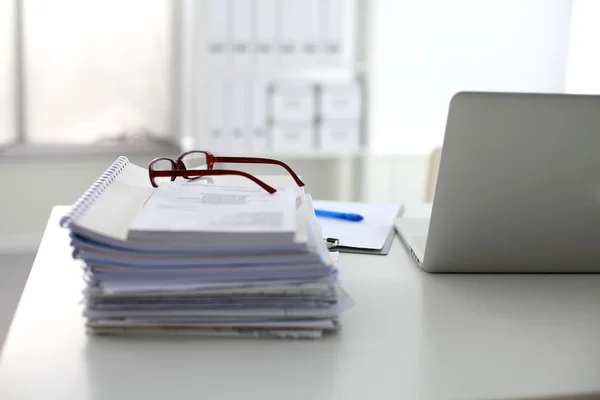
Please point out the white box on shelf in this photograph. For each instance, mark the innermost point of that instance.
(293, 137)
(293, 102)
(339, 136)
(341, 101)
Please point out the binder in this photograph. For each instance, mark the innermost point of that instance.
(257, 100)
(217, 40)
(290, 24)
(333, 14)
(215, 104)
(241, 31)
(238, 116)
(264, 28)
(307, 25)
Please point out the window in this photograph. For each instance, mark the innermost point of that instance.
(93, 70)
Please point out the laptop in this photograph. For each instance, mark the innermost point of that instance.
(518, 187)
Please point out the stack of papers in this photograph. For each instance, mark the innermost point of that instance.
(202, 259)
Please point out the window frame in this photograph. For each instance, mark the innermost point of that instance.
(21, 148)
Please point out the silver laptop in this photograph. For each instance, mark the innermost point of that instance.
(518, 188)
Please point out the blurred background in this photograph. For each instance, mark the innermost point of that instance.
(352, 93)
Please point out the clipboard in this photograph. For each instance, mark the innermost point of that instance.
(374, 235)
(345, 249)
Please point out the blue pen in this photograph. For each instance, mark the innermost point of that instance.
(338, 215)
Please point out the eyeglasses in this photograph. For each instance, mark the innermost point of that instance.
(196, 164)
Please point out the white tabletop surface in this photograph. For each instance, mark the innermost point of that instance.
(411, 335)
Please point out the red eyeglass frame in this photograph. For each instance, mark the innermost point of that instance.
(189, 174)
(178, 169)
(211, 160)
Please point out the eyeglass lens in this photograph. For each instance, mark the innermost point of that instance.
(162, 165)
(195, 160)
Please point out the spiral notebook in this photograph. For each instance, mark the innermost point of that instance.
(104, 213)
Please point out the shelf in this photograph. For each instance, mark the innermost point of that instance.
(318, 155)
(324, 74)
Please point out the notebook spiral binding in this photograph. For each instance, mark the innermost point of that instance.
(94, 191)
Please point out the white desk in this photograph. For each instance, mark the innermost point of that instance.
(411, 335)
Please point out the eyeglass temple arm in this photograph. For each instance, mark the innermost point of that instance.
(255, 160)
(214, 172)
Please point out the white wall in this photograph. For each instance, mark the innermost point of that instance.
(422, 52)
(583, 75)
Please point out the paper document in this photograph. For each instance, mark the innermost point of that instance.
(190, 207)
(370, 233)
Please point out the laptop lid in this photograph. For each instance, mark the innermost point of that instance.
(518, 188)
